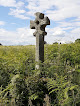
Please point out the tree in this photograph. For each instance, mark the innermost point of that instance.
(55, 43)
(77, 41)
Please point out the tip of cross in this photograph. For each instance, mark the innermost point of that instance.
(40, 15)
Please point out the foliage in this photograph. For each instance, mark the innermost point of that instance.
(56, 83)
(77, 41)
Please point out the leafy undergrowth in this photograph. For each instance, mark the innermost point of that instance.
(56, 83)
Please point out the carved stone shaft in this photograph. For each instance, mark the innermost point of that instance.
(40, 48)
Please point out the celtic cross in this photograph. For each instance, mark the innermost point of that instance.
(39, 24)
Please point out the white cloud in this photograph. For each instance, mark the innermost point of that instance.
(38, 5)
(24, 36)
(20, 36)
(76, 31)
(69, 24)
(2, 23)
(55, 9)
(19, 4)
(63, 13)
(8, 3)
(19, 13)
(59, 34)
(11, 3)
(55, 35)
(25, 32)
(56, 32)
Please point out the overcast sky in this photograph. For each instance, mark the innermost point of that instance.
(15, 16)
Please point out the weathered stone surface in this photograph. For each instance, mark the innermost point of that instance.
(39, 24)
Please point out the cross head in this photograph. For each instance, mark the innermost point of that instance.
(39, 24)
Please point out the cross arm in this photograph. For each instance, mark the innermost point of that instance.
(45, 21)
(32, 24)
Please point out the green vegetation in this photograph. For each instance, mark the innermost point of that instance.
(77, 41)
(56, 83)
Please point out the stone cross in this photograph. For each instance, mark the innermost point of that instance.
(39, 24)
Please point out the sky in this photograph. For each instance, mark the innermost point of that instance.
(15, 16)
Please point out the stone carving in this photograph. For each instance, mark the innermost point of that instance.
(39, 24)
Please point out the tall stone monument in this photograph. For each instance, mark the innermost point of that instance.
(39, 24)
